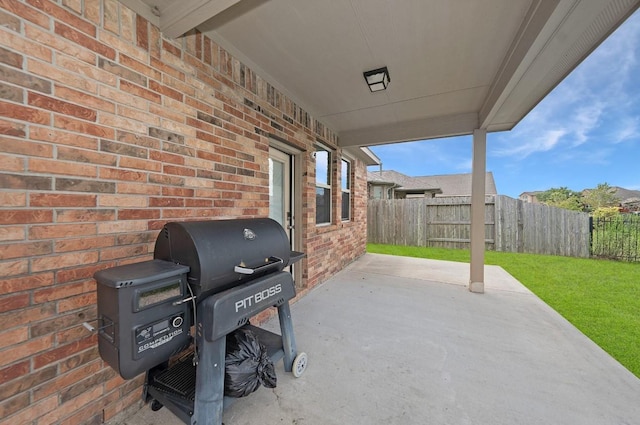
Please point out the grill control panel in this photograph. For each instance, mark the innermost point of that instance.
(142, 319)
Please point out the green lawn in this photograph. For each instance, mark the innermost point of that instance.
(600, 297)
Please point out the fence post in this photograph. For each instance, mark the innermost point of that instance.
(590, 235)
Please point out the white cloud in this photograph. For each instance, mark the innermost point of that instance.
(533, 143)
(595, 105)
(628, 129)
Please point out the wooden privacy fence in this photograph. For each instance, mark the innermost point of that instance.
(510, 225)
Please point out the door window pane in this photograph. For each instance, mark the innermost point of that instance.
(276, 191)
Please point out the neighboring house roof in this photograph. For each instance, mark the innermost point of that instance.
(627, 195)
(534, 193)
(445, 184)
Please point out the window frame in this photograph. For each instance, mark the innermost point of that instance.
(348, 190)
(326, 187)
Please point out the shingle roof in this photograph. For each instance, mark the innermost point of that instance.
(449, 184)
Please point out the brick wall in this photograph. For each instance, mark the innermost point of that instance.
(107, 131)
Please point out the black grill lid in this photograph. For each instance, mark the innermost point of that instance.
(224, 253)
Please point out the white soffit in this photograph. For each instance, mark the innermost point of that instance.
(455, 65)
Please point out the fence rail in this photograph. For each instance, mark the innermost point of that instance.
(510, 225)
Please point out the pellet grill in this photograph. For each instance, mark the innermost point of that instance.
(207, 278)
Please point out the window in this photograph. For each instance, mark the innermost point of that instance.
(323, 186)
(345, 177)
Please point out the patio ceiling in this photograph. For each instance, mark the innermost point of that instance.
(455, 66)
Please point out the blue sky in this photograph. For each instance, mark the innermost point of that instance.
(585, 132)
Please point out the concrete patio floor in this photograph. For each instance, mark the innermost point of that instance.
(395, 340)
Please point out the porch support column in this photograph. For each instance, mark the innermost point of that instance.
(479, 166)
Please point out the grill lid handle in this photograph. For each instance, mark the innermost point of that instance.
(273, 263)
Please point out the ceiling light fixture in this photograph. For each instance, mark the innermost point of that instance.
(377, 79)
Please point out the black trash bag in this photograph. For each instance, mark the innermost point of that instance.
(247, 365)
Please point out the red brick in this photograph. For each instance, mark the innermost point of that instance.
(91, 414)
(59, 13)
(121, 227)
(66, 379)
(85, 99)
(25, 46)
(200, 203)
(29, 249)
(166, 91)
(65, 108)
(11, 233)
(70, 406)
(14, 336)
(26, 12)
(140, 67)
(119, 174)
(25, 350)
(72, 124)
(121, 404)
(27, 315)
(136, 125)
(62, 138)
(33, 412)
(61, 200)
(166, 157)
(59, 353)
(11, 163)
(53, 262)
(179, 171)
(123, 252)
(11, 128)
(77, 302)
(166, 202)
(59, 44)
(87, 156)
(79, 359)
(75, 5)
(58, 292)
(142, 32)
(13, 302)
(71, 334)
(177, 191)
(55, 231)
(138, 214)
(14, 371)
(24, 113)
(140, 164)
(14, 404)
(110, 16)
(81, 244)
(26, 283)
(26, 216)
(85, 41)
(14, 268)
(138, 115)
(83, 215)
(142, 92)
(68, 77)
(50, 166)
(139, 188)
(122, 201)
(26, 382)
(78, 273)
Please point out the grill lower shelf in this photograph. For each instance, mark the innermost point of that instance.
(174, 387)
(178, 380)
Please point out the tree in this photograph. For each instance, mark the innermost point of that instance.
(562, 197)
(602, 196)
